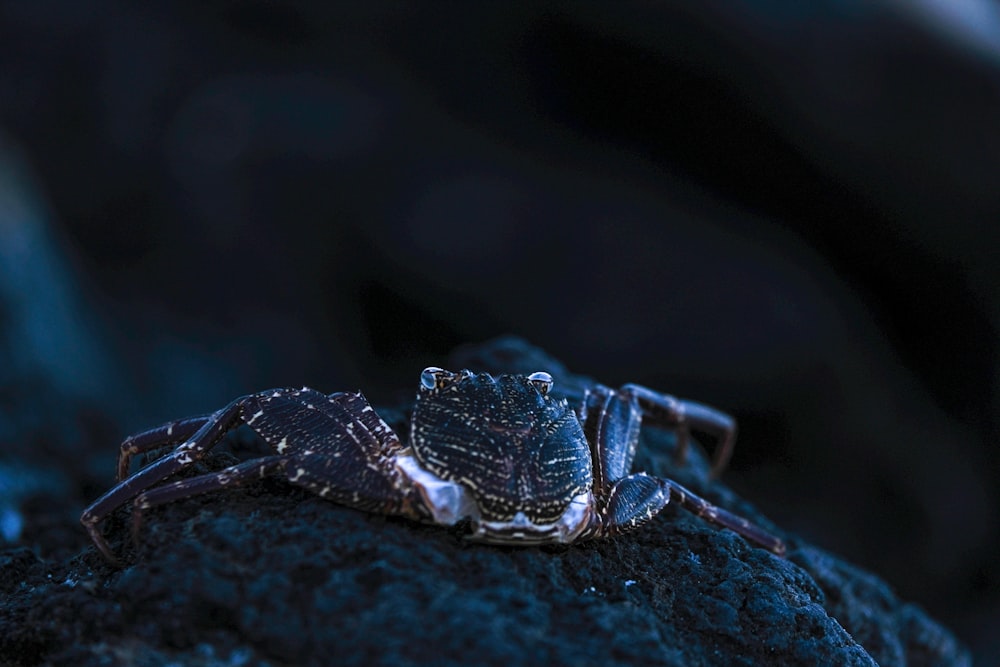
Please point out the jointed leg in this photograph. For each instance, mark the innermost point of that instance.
(631, 502)
(611, 421)
(683, 415)
(206, 437)
(228, 477)
(636, 499)
(171, 433)
(706, 510)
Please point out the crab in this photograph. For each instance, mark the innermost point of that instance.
(502, 453)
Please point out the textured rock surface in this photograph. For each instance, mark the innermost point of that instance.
(268, 574)
(783, 208)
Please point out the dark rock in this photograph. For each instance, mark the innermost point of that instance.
(269, 574)
(783, 208)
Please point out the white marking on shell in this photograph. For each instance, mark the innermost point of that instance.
(298, 473)
(170, 430)
(183, 453)
(255, 416)
(282, 446)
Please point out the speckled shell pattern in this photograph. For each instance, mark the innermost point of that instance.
(514, 448)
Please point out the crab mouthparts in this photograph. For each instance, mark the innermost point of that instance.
(450, 502)
(523, 530)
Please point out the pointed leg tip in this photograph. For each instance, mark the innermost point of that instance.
(102, 545)
(779, 549)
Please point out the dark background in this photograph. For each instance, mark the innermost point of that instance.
(783, 209)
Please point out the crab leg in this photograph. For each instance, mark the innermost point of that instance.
(637, 498)
(190, 451)
(720, 517)
(232, 476)
(611, 422)
(171, 433)
(683, 415)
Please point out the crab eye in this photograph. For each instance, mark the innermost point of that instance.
(542, 381)
(432, 376)
(428, 377)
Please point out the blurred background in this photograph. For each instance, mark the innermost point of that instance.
(783, 209)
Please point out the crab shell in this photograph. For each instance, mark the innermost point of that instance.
(501, 452)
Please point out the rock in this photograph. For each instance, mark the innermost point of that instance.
(269, 574)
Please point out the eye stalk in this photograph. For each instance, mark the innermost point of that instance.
(542, 381)
(433, 377)
(429, 376)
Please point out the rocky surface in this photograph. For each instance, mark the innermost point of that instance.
(786, 209)
(268, 574)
